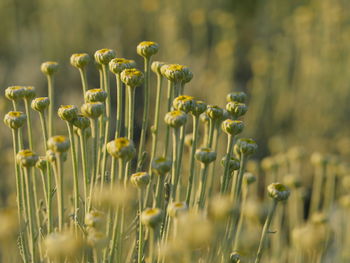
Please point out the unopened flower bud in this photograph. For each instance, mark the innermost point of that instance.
(237, 109)
(41, 163)
(249, 178)
(40, 104)
(68, 112)
(233, 165)
(173, 72)
(26, 158)
(81, 122)
(58, 144)
(235, 257)
(184, 103)
(80, 60)
(104, 56)
(15, 119)
(121, 148)
(117, 65)
(92, 110)
(278, 192)
(49, 68)
(140, 179)
(95, 95)
(176, 118)
(246, 146)
(15, 93)
(132, 77)
(95, 219)
(188, 75)
(240, 97)
(214, 112)
(205, 155)
(96, 239)
(151, 217)
(204, 117)
(198, 108)
(147, 49)
(232, 127)
(161, 166)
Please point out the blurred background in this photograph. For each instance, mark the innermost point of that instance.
(291, 57)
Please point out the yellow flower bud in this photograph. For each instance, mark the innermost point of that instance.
(132, 77)
(95, 95)
(49, 67)
(15, 93)
(175, 119)
(161, 166)
(121, 148)
(26, 158)
(237, 97)
(173, 72)
(147, 49)
(80, 60)
(140, 179)
(68, 112)
(177, 208)
(58, 144)
(151, 217)
(104, 56)
(205, 155)
(117, 65)
(232, 127)
(41, 163)
(29, 92)
(278, 191)
(15, 119)
(184, 103)
(156, 66)
(198, 108)
(92, 110)
(81, 122)
(40, 104)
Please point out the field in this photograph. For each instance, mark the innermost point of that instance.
(185, 131)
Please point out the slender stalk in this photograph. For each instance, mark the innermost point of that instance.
(155, 128)
(94, 134)
(140, 237)
(211, 133)
(82, 140)
(151, 246)
(317, 188)
(147, 62)
(17, 173)
(131, 100)
(225, 178)
(159, 191)
(202, 186)
(265, 232)
(241, 217)
(59, 187)
(238, 185)
(51, 90)
(118, 129)
(29, 123)
(192, 159)
(83, 78)
(176, 136)
(179, 158)
(167, 132)
(75, 172)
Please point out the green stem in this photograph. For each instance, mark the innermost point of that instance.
(17, 173)
(83, 78)
(202, 186)
(265, 232)
(211, 133)
(238, 186)
(59, 187)
(131, 100)
(82, 140)
(75, 172)
(241, 217)
(179, 158)
(155, 128)
(147, 62)
(151, 245)
(31, 209)
(118, 129)
(140, 238)
(29, 123)
(159, 190)
(50, 82)
(176, 136)
(192, 159)
(94, 134)
(225, 178)
(167, 132)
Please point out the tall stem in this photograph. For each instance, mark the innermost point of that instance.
(131, 99)
(94, 134)
(118, 129)
(225, 178)
(202, 186)
(140, 238)
(147, 62)
(83, 78)
(192, 159)
(167, 132)
(31, 209)
(265, 232)
(29, 123)
(50, 82)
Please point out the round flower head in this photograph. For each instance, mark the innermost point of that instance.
(121, 148)
(15, 93)
(68, 112)
(132, 77)
(49, 67)
(249, 178)
(239, 96)
(26, 158)
(232, 127)
(40, 104)
(58, 144)
(51, 156)
(175, 119)
(198, 108)
(184, 103)
(173, 72)
(233, 165)
(177, 208)
(80, 60)
(15, 119)
(92, 110)
(246, 146)
(41, 163)
(151, 217)
(104, 56)
(188, 75)
(278, 192)
(29, 92)
(205, 155)
(237, 109)
(235, 257)
(214, 112)
(81, 122)
(117, 65)
(161, 166)
(95, 219)
(140, 180)
(156, 66)
(95, 95)
(62, 245)
(147, 49)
